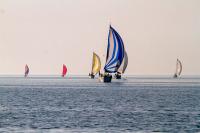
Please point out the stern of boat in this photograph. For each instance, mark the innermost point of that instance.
(118, 76)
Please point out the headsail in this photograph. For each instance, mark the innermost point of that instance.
(96, 64)
(115, 51)
(26, 71)
(64, 71)
(124, 64)
(178, 68)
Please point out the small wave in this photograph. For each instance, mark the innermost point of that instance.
(3, 108)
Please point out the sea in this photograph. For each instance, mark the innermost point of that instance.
(78, 104)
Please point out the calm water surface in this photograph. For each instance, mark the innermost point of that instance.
(79, 104)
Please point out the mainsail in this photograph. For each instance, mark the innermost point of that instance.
(124, 64)
(26, 71)
(115, 51)
(96, 64)
(178, 68)
(64, 71)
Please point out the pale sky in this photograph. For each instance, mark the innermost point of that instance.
(47, 33)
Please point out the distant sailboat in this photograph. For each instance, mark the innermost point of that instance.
(115, 55)
(26, 71)
(96, 65)
(123, 66)
(64, 71)
(178, 69)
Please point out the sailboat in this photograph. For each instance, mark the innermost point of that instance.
(123, 66)
(96, 65)
(64, 70)
(178, 69)
(115, 55)
(26, 71)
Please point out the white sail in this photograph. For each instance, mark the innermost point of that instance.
(178, 68)
(124, 64)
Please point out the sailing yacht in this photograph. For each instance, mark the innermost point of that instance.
(64, 70)
(115, 55)
(178, 69)
(96, 65)
(26, 71)
(123, 66)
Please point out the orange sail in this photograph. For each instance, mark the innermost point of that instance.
(64, 71)
(26, 71)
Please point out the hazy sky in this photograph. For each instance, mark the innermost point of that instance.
(47, 33)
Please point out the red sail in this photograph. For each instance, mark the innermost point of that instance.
(64, 70)
(26, 71)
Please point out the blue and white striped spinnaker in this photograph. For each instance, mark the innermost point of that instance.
(115, 51)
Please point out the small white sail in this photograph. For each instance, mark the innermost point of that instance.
(178, 68)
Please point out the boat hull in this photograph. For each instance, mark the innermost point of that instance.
(105, 78)
(92, 76)
(118, 76)
(175, 76)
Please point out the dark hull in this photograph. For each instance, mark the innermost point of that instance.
(175, 76)
(107, 78)
(118, 76)
(92, 76)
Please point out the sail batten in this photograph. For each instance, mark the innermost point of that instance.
(115, 51)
